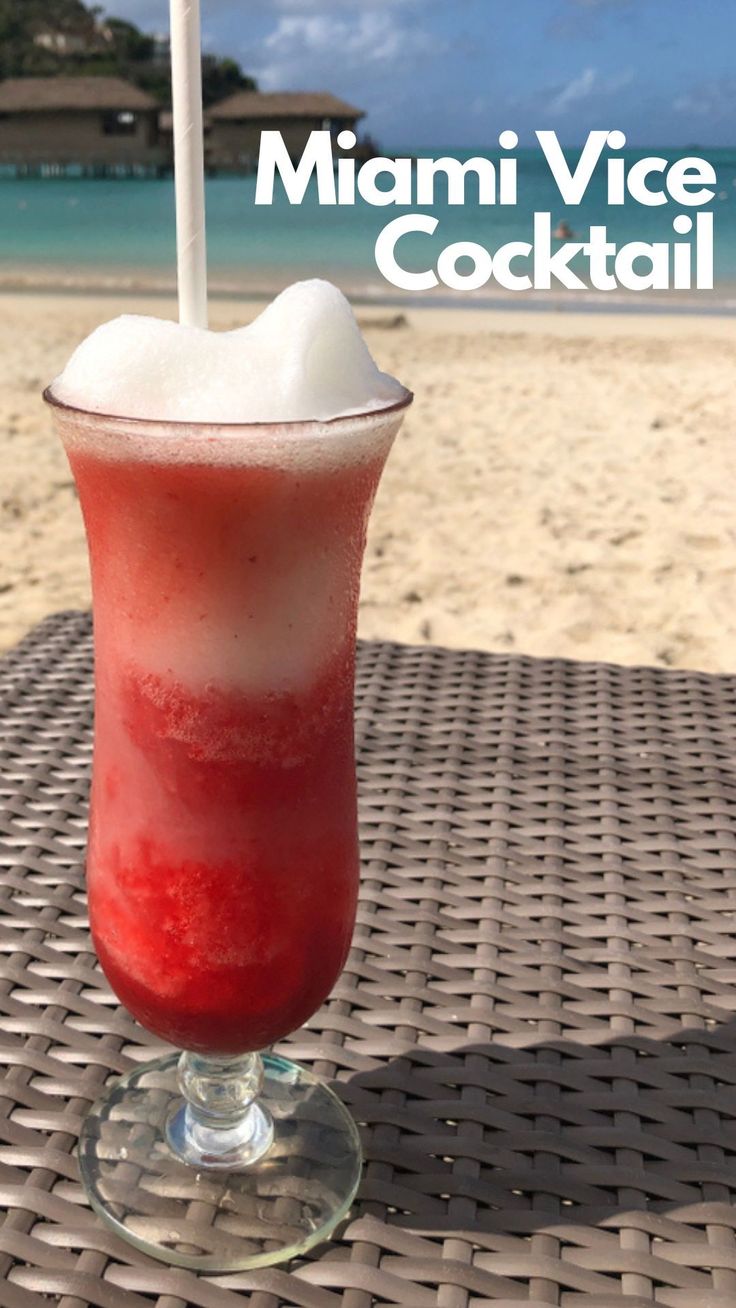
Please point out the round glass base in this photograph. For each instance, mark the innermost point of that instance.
(216, 1219)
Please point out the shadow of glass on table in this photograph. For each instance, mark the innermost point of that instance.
(603, 1168)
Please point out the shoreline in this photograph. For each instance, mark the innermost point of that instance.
(393, 319)
(710, 304)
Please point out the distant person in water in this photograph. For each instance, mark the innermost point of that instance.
(563, 231)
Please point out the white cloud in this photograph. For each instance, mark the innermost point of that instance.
(304, 39)
(306, 50)
(578, 89)
(587, 85)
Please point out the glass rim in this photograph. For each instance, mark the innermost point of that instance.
(181, 424)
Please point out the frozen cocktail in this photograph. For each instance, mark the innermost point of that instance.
(226, 483)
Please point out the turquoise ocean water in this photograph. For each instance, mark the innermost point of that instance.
(79, 231)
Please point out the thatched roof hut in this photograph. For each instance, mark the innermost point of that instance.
(97, 123)
(250, 106)
(32, 95)
(237, 122)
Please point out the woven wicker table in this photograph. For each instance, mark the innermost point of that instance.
(534, 1026)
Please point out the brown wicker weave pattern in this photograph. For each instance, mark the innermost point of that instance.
(534, 1026)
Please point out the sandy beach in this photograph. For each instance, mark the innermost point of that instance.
(563, 485)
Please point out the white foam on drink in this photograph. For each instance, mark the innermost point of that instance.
(302, 359)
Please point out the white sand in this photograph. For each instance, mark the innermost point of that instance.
(563, 485)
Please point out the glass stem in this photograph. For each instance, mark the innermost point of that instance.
(220, 1124)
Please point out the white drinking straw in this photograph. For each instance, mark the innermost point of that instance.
(186, 87)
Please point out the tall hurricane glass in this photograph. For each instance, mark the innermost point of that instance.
(223, 856)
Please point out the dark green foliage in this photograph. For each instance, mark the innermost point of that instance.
(130, 45)
(114, 48)
(20, 20)
(220, 77)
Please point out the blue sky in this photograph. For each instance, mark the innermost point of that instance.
(456, 72)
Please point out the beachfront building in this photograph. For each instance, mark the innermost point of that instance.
(97, 125)
(106, 126)
(235, 124)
